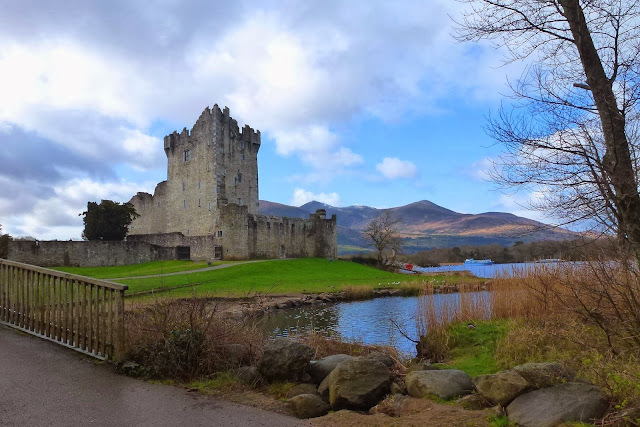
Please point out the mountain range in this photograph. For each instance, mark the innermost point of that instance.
(424, 225)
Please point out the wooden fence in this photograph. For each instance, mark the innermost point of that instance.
(75, 311)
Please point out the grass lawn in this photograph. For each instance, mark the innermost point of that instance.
(133, 270)
(302, 275)
(472, 349)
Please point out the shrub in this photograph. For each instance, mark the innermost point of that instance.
(188, 338)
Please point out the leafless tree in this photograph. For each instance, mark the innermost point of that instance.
(382, 234)
(573, 133)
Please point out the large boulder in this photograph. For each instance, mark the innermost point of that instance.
(248, 375)
(321, 368)
(323, 389)
(445, 384)
(385, 359)
(237, 355)
(502, 387)
(308, 406)
(541, 375)
(358, 383)
(303, 388)
(570, 402)
(285, 360)
(474, 402)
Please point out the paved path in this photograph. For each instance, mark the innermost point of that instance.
(200, 270)
(43, 384)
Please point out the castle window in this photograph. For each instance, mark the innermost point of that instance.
(185, 204)
(242, 156)
(199, 203)
(208, 168)
(209, 205)
(239, 201)
(219, 233)
(239, 177)
(187, 155)
(198, 184)
(184, 186)
(268, 226)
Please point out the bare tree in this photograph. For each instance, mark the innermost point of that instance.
(382, 234)
(574, 134)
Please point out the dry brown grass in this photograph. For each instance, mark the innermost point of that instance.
(586, 315)
(354, 293)
(327, 346)
(187, 338)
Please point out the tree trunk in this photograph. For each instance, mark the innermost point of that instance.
(617, 159)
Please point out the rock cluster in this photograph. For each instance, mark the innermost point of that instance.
(535, 394)
(542, 394)
(333, 383)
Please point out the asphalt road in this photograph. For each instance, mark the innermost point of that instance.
(43, 384)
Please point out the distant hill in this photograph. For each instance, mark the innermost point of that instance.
(425, 225)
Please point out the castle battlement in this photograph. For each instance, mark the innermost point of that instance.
(221, 127)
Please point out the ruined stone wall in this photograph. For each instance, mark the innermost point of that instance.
(202, 247)
(86, 254)
(245, 236)
(248, 236)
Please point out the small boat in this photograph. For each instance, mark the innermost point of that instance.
(549, 261)
(478, 261)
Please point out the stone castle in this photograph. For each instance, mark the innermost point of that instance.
(208, 206)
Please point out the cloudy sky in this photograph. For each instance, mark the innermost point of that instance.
(359, 102)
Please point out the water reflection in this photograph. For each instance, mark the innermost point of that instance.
(373, 321)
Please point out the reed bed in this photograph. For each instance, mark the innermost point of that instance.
(586, 315)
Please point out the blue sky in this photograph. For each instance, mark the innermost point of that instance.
(359, 103)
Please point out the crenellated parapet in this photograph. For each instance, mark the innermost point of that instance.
(213, 124)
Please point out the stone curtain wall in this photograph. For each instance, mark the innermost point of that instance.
(246, 236)
(87, 254)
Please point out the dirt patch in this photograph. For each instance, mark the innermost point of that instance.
(250, 397)
(413, 412)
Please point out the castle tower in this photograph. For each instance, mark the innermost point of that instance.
(214, 164)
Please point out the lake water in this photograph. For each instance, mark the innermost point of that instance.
(488, 271)
(369, 321)
(372, 321)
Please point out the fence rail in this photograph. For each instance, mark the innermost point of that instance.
(75, 311)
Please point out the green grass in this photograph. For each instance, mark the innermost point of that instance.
(221, 381)
(145, 269)
(302, 275)
(500, 421)
(472, 350)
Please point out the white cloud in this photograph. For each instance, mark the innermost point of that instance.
(301, 196)
(521, 204)
(483, 168)
(392, 168)
(86, 82)
(56, 216)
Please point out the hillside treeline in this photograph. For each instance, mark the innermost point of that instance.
(570, 250)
